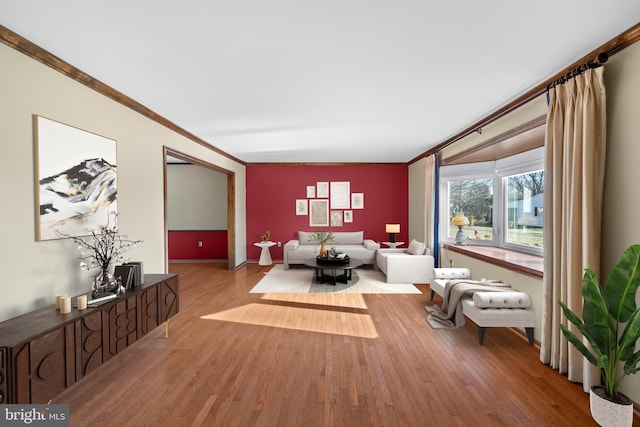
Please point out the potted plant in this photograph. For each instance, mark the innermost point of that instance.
(323, 237)
(605, 310)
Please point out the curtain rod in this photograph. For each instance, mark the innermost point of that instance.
(598, 61)
(612, 47)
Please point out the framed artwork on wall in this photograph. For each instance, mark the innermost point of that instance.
(340, 195)
(75, 179)
(348, 216)
(311, 192)
(302, 207)
(336, 218)
(357, 200)
(323, 189)
(318, 213)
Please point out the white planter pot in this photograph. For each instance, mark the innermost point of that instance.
(608, 413)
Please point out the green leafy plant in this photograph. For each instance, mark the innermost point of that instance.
(322, 236)
(604, 312)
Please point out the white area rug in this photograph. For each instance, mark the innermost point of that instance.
(298, 280)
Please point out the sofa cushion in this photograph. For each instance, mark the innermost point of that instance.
(339, 238)
(509, 299)
(416, 248)
(348, 238)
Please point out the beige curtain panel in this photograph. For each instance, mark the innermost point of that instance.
(430, 200)
(575, 148)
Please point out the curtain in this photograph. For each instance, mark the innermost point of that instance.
(575, 148)
(429, 202)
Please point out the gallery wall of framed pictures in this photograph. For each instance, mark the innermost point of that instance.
(330, 204)
(288, 198)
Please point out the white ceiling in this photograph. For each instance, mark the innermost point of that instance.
(323, 80)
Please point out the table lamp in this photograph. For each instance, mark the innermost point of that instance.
(392, 229)
(460, 220)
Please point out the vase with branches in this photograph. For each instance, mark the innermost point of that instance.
(101, 249)
(323, 237)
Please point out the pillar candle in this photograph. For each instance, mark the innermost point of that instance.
(58, 297)
(65, 304)
(81, 302)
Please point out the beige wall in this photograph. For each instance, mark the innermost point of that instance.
(32, 272)
(417, 211)
(621, 194)
(196, 198)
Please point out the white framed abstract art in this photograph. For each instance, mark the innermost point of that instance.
(357, 200)
(76, 186)
(318, 213)
(302, 207)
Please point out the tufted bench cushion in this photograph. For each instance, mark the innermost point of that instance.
(501, 300)
(442, 275)
(499, 317)
(489, 309)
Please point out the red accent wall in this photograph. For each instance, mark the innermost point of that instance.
(184, 245)
(272, 191)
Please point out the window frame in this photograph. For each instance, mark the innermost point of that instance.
(499, 171)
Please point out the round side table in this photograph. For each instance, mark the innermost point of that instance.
(265, 254)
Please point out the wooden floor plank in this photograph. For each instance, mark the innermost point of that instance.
(236, 358)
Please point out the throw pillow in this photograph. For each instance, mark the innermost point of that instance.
(416, 248)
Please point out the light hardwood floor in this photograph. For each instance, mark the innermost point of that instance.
(224, 364)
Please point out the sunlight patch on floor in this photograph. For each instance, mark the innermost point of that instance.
(335, 300)
(302, 319)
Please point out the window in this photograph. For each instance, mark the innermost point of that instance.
(502, 200)
(524, 209)
(474, 198)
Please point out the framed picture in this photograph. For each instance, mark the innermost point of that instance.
(302, 207)
(311, 192)
(75, 180)
(318, 213)
(336, 218)
(340, 195)
(357, 200)
(348, 216)
(323, 189)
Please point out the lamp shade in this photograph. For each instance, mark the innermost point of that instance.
(460, 220)
(392, 228)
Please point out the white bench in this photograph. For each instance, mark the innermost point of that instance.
(489, 309)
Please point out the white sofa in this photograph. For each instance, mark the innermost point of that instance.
(353, 243)
(489, 309)
(411, 265)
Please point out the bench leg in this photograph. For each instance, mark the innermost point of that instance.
(432, 294)
(481, 331)
(529, 335)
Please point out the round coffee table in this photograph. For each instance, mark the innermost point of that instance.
(326, 272)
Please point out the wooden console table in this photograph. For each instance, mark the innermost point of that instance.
(43, 352)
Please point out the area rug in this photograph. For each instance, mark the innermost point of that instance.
(298, 280)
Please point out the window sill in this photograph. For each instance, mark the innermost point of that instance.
(530, 265)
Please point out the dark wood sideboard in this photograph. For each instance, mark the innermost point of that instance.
(43, 352)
